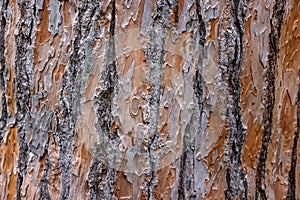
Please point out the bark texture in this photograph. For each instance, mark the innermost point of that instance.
(144, 99)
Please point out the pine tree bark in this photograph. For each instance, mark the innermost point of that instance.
(144, 99)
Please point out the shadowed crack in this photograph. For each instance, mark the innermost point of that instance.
(102, 175)
(269, 96)
(235, 175)
(291, 193)
(4, 113)
(24, 84)
(186, 188)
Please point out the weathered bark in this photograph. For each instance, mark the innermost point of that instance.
(143, 99)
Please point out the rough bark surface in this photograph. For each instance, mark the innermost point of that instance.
(144, 99)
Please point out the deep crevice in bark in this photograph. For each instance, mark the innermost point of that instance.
(23, 84)
(186, 188)
(291, 193)
(70, 93)
(235, 176)
(155, 53)
(65, 123)
(4, 113)
(44, 191)
(269, 96)
(102, 176)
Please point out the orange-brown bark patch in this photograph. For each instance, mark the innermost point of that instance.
(252, 142)
(42, 32)
(139, 58)
(247, 26)
(66, 11)
(166, 180)
(217, 149)
(287, 121)
(12, 191)
(9, 150)
(123, 186)
(213, 23)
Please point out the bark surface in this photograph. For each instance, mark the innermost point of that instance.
(144, 99)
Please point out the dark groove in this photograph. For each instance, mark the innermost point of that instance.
(102, 176)
(66, 123)
(44, 191)
(202, 30)
(155, 54)
(186, 181)
(70, 93)
(237, 186)
(4, 113)
(269, 98)
(176, 13)
(22, 85)
(291, 193)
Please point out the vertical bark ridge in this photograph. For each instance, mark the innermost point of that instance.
(186, 188)
(44, 192)
(102, 175)
(235, 175)
(291, 193)
(71, 94)
(66, 122)
(269, 96)
(155, 55)
(24, 83)
(4, 112)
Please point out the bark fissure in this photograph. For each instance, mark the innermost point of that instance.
(186, 188)
(44, 191)
(102, 175)
(4, 111)
(71, 91)
(291, 193)
(23, 84)
(269, 96)
(231, 61)
(155, 54)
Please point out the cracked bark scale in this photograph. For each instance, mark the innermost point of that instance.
(144, 99)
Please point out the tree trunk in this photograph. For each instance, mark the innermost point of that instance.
(144, 99)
